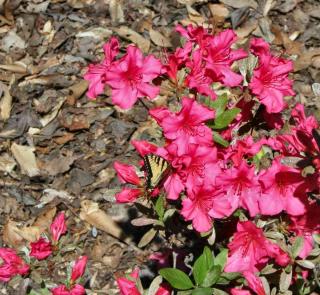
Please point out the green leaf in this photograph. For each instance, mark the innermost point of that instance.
(176, 278)
(200, 269)
(202, 291)
(223, 120)
(147, 237)
(212, 276)
(219, 104)
(221, 258)
(306, 263)
(297, 246)
(209, 256)
(285, 280)
(226, 277)
(218, 292)
(43, 291)
(159, 207)
(168, 214)
(219, 139)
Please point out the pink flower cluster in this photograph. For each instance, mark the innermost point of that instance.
(212, 181)
(129, 77)
(128, 285)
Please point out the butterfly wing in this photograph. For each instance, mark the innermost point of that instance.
(157, 169)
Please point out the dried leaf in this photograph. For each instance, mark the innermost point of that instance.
(129, 34)
(219, 10)
(142, 221)
(116, 11)
(7, 163)
(91, 213)
(240, 3)
(48, 118)
(158, 39)
(10, 236)
(26, 159)
(5, 102)
(12, 40)
(45, 219)
(305, 59)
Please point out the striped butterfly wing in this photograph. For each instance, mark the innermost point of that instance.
(157, 169)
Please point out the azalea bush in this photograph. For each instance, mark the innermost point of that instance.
(236, 207)
(243, 158)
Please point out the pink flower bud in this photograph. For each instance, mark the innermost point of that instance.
(58, 227)
(79, 268)
(126, 173)
(41, 249)
(11, 264)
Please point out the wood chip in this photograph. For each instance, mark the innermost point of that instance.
(26, 159)
(5, 102)
(129, 34)
(158, 39)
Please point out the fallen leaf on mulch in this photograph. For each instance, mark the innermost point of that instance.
(5, 102)
(129, 34)
(26, 159)
(91, 213)
(158, 39)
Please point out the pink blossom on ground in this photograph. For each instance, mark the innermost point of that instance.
(130, 77)
(164, 289)
(127, 286)
(250, 249)
(97, 73)
(58, 227)
(187, 126)
(40, 249)
(11, 265)
(270, 81)
(79, 268)
(63, 290)
(220, 57)
(279, 184)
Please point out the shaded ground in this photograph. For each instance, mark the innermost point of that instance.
(57, 148)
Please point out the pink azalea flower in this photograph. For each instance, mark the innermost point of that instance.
(196, 207)
(197, 35)
(270, 81)
(63, 290)
(279, 184)
(237, 291)
(187, 126)
(58, 227)
(250, 248)
(176, 60)
(196, 167)
(241, 185)
(11, 265)
(97, 73)
(130, 77)
(198, 78)
(79, 268)
(254, 283)
(305, 226)
(164, 289)
(127, 174)
(220, 57)
(144, 147)
(128, 286)
(41, 249)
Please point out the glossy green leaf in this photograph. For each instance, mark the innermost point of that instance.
(202, 291)
(176, 278)
(223, 120)
(200, 268)
(209, 256)
(297, 246)
(219, 104)
(159, 207)
(219, 139)
(212, 276)
(221, 258)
